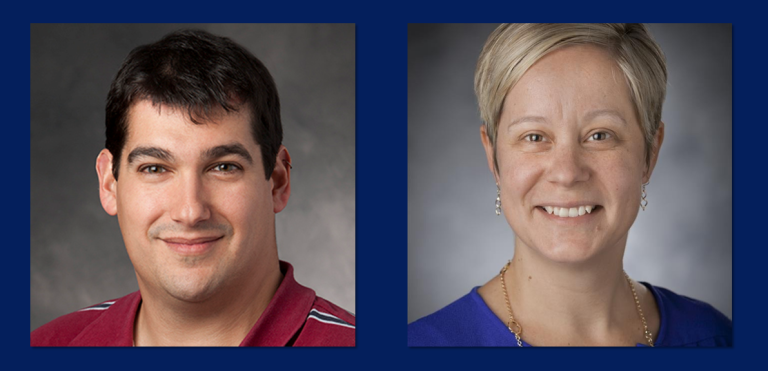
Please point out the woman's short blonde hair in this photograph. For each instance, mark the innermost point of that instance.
(513, 48)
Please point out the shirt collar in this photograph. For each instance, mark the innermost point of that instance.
(285, 315)
(113, 328)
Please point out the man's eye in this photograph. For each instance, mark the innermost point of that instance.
(534, 138)
(226, 168)
(601, 135)
(153, 169)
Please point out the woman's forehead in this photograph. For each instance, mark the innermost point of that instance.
(573, 79)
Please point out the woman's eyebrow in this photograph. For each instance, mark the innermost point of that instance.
(539, 119)
(228, 149)
(156, 152)
(604, 112)
(587, 118)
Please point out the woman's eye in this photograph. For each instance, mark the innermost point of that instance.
(534, 138)
(226, 168)
(601, 135)
(153, 169)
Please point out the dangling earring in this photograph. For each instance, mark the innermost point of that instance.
(643, 201)
(498, 200)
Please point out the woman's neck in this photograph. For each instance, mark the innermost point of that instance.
(568, 303)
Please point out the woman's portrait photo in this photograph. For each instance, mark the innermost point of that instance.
(570, 185)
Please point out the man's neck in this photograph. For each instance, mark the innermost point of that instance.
(221, 320)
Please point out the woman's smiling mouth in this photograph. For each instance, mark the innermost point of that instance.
(569, 212)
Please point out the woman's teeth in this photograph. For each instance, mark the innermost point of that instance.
(569, 212)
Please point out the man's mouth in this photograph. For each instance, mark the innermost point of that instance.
(570, 212)
(191, 241)
(191, 246)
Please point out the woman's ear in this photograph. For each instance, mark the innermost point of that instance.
(658, 139)
(489, 152)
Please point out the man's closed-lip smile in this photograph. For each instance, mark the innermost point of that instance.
(193, 246)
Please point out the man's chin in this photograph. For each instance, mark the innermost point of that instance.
(191, 290)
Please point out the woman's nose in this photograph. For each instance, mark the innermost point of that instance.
(567, 166)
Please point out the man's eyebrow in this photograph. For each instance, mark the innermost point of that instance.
(228, 149)
(155, 152)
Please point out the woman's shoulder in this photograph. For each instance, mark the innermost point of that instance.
(466, 322)
(689, 322)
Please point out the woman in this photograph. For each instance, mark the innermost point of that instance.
(572, 134)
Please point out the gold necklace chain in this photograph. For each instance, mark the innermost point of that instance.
(646, 333)
(512, 322)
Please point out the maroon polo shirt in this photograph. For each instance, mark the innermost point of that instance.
(294, 317)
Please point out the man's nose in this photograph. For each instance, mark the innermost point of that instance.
(190, 201)
(567, 166)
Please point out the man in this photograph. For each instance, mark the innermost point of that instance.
(195, 171)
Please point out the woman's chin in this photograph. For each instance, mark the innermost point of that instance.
(571, 252)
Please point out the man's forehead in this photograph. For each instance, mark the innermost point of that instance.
(216, 118)
(213, 113)
(171, 129)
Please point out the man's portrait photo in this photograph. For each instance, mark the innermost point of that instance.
(192, 185)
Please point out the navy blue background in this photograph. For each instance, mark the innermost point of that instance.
(381, 34)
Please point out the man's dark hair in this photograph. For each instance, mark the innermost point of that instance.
(199, 72)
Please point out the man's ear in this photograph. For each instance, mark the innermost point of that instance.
(658, 139)
(281, 179)
(107, 182)
(488, 152)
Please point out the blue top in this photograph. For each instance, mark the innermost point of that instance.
(685, 322)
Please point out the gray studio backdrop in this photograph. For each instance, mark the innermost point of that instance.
(455, 240)
(77, 253)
